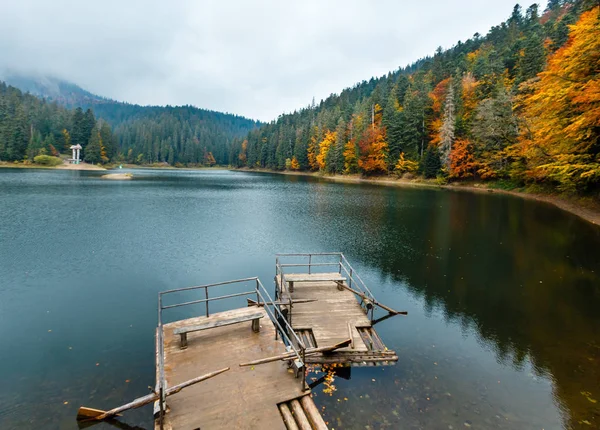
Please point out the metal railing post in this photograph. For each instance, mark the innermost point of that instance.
(309, 262)
(162, 408)
(350, 280)
(206, 295)
(257, 296)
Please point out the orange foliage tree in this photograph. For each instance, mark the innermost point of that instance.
(462, 161)
(562, 141)
(373, 146)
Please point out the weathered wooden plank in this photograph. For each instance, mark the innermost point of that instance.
(292, 354)
(218, 322)
(313, 277)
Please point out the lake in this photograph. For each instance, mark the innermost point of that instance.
(502, 293)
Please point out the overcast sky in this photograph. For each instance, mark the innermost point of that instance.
(252, 58)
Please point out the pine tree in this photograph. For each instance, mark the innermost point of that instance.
(93, 150)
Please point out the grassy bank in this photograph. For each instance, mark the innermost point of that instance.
(585, 207)
(81, 166)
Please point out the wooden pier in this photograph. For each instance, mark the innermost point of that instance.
(245, 367)
(272, 395)
(325, 307)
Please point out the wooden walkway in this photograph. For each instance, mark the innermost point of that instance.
(241, 398)
(332, 316)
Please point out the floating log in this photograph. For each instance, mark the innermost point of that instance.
(370, 301)
(90, 414)
(288, 355)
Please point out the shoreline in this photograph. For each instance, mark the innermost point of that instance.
(81, 166)
(588, 210)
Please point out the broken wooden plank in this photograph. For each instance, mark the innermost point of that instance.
(288, 355)
(141, 401)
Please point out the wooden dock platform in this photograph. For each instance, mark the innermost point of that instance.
(266, 396)
(324, 309)
(245, 368)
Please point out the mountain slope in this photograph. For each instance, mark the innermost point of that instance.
(148, 134)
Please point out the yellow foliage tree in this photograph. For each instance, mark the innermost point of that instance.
(295, 165)
(350, 158)
(561, 140)
(324, 145)
(406, 166)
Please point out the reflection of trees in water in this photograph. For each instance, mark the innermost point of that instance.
(523, 273)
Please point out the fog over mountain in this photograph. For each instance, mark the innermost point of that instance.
(256, 59)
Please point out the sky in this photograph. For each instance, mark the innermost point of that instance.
(258, 58)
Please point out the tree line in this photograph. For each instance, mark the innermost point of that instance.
(110, 131)
(520, 104)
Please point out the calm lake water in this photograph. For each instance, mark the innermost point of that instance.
(503, 294)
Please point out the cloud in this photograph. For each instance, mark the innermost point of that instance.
(256, 59)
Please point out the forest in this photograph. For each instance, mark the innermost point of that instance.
(111, 131)
(521, 104)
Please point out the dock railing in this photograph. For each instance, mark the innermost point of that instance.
(263, 299)
(309, 262)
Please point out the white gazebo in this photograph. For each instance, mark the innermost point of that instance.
(75, 149)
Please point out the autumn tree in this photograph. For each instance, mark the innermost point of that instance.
(350, 157)
(324, 147)
(561, 140)
(494, 129)
(462, 162)
(294, 165)
(373, 146)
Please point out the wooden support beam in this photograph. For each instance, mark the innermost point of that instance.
(98, 415)
(351, 336)
(313, 413)
(364, 297)
(289, 355)
(288, 418)
(300, 415)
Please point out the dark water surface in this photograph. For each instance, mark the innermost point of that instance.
(503, 293)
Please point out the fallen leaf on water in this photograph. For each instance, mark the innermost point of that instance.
(586, 422)
(592, 400)
(97, 364)
(127, 381)
(373, 380)
(49, 331)
(65, 403)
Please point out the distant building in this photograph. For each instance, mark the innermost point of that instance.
(76, 151)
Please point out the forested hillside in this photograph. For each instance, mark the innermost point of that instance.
(521, 103)
(181, 135)
(32, 127)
